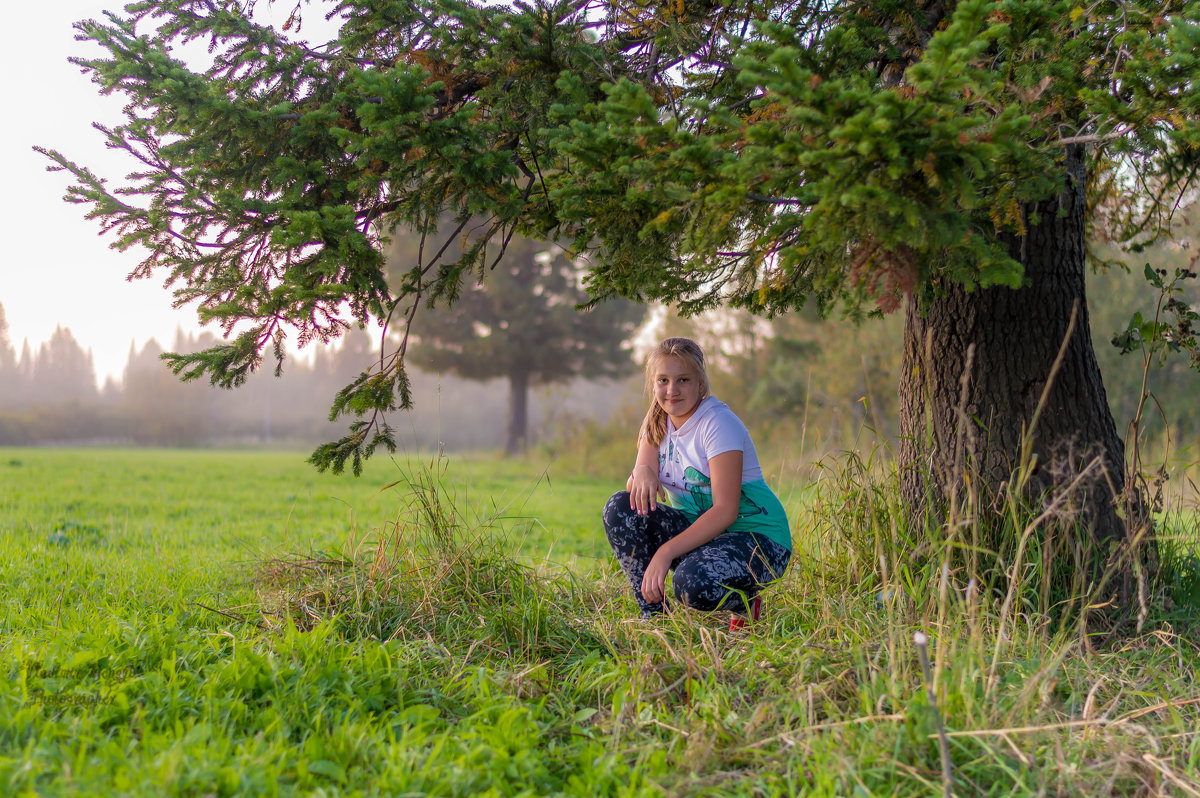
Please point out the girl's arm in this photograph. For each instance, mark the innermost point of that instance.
(643, 484)
(725, 471)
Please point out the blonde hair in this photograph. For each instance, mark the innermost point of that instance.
(654, 426)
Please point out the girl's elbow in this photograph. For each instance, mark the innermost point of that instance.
(726, 516)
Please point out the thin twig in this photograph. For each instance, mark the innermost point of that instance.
(947, 774)
(233, 616)
(785, 736)
(1074, 724)
(1054, 368)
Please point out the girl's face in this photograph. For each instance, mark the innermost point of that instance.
(676, 389)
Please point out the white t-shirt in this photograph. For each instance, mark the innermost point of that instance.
(712, 430)
(683, 470)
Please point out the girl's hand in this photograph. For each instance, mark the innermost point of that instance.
(654, 581)
(645, 489)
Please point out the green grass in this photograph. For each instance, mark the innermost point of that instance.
(125, 677)
(205, 623)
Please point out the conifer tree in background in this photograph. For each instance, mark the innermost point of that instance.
(944, 157)
(8, 356)
(10, 377)
(25, 368)
(62, 371)
(520, 323)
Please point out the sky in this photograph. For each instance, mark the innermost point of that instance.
(54, 267)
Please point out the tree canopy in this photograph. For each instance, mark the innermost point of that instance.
(756, 154)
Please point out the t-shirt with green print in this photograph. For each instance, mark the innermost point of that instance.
(683, 469)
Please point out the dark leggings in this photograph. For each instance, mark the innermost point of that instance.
(713, 576)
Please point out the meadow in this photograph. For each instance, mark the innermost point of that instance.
(234, 623)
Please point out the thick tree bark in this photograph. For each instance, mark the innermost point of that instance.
(991, 353)
(518, 413)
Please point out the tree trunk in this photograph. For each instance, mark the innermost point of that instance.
(518, 413)
(1007, 344)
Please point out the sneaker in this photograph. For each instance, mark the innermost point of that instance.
(739, 621)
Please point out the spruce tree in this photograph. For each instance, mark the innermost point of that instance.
(24, 373)
(10, 378)
(945, 158)
(62, 371)
(520, 323)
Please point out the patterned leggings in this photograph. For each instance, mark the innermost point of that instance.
(713, 576)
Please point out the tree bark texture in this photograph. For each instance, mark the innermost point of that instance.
(990, 354)
(518, 413)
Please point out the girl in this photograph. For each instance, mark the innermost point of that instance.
(725, 534)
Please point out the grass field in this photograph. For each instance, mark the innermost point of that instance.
(214, 623)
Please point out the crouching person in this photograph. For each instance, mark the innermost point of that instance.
(724, 533)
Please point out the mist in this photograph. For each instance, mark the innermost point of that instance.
(50, 396)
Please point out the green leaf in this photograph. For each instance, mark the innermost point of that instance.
(324, 767)
(583, 714)
(1152, 276)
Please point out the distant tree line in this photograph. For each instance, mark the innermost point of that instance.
(60, 370)
(49, 395)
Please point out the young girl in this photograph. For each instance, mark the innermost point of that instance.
(725, 534)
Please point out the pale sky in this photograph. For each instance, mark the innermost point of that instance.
(55, 268)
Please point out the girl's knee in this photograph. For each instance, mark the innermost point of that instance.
(616, 509)
(704, 588)
(693, 588)
(684, 591)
